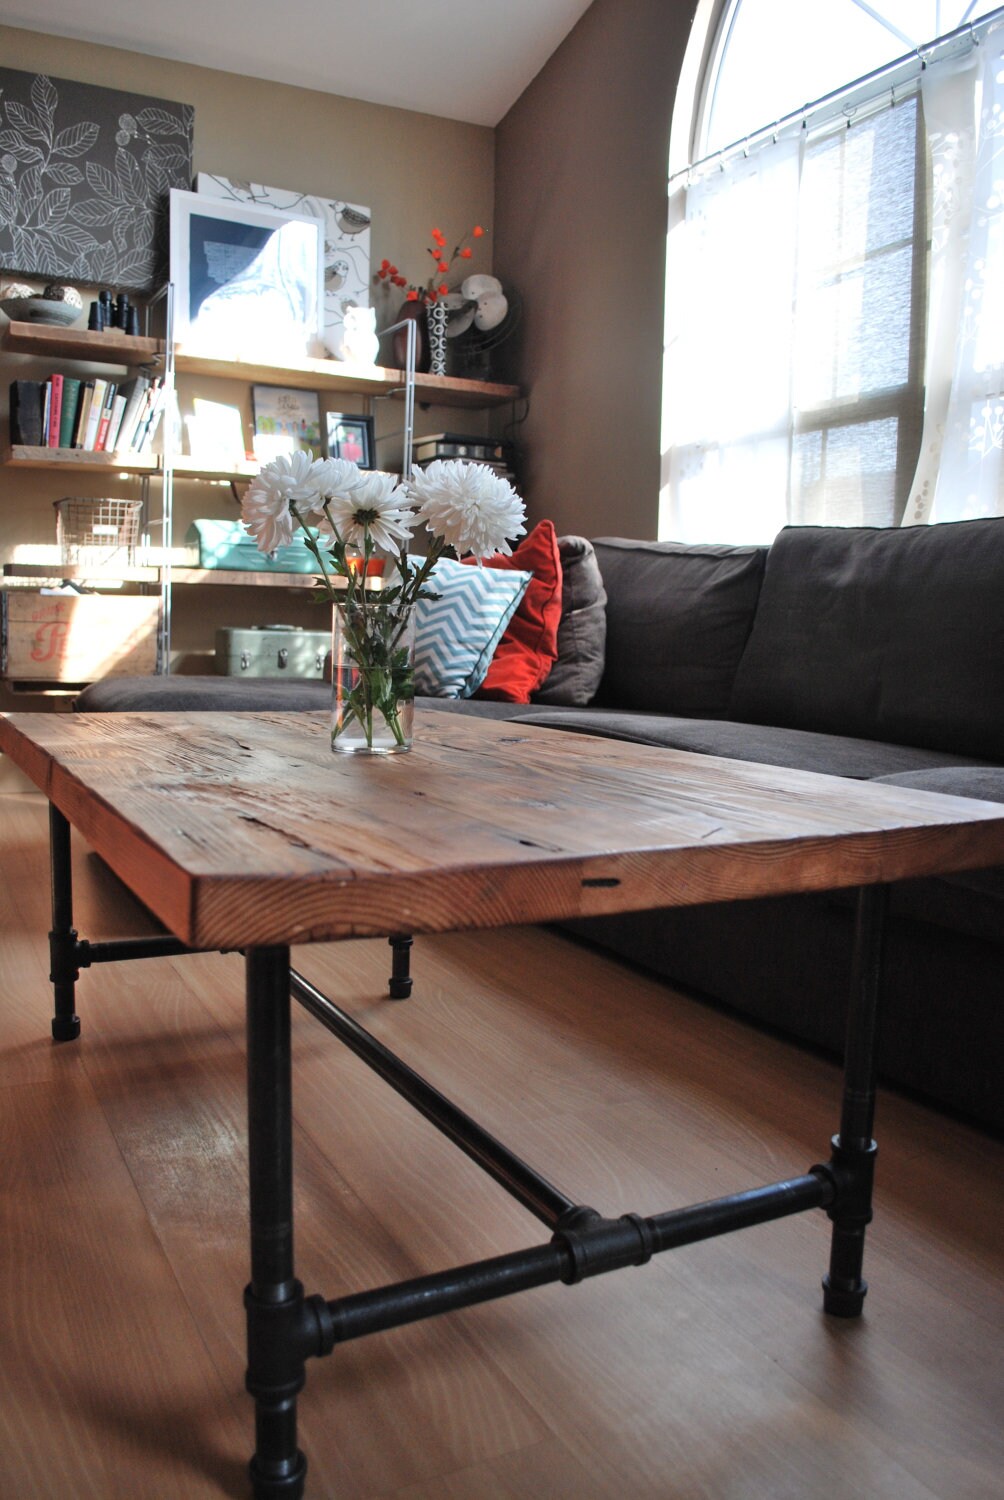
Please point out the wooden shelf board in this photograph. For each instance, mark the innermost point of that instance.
(308, 374)
(56, 572)
(335, 375)
(110, 348)
(20, 456)
(241, 578)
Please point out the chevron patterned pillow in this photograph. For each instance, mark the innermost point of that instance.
(456, 635)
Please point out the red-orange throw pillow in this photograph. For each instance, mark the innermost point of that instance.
(529, 648)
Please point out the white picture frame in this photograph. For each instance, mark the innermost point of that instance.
(346, 243)
(248, 280)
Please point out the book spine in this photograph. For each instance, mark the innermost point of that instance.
(114, 426)
(94, 415)
(71, 400)
(135, 402)
(83, 411)
(46, 403)
(55, 409)
(26, 412)
(104, 420)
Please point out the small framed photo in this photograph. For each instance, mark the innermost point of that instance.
(351, 437)
(248, 280)
(285, 421)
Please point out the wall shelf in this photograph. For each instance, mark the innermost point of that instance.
(117, 348)
(110, 348)
(20, 456)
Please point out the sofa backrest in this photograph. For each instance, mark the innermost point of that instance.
(678, 618)
(884, 634)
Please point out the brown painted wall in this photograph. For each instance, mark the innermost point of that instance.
(580, 208)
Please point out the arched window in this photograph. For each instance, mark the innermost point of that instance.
(835, 281)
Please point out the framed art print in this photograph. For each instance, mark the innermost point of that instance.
(248, 281)
(84, 178)
(351, 437)
(285, 421)
(346, 243)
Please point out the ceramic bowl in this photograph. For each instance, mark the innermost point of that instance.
(40, 310)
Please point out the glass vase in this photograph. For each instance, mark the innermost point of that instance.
(372, 677)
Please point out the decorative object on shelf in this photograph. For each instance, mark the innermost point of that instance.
(346, 245)
(357, 516)
(352, 438)
(478, 325)
(414, 311)
(56, 305)
(100, 534)
(249, 281)
(84, 172)
(271, 651)
(435, 315)
(285, 421)
(360, 344)
(424, 298)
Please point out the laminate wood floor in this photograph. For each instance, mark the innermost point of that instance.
(710, 1374)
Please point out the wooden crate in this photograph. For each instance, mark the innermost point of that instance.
(67, 638)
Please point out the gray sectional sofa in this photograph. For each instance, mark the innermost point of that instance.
(867, 653)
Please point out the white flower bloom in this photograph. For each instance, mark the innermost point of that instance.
(290, 478)
(338, 476)
(471, 507)
(376, 506)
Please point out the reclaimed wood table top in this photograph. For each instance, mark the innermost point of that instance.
(245, 830)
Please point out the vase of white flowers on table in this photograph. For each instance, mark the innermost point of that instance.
(352, 519)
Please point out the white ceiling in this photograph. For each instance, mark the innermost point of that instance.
(462, 59)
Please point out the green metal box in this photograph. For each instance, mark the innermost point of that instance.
(272, 651)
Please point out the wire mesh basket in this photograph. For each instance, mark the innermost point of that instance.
(97, 533)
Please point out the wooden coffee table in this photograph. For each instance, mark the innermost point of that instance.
(243, 832)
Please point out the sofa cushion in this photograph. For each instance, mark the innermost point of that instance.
(529, 645)
(983, 782)
(678, 618)
(830, 754)
(893, 635)
(457, 632)
(582, 630)
(186, 694)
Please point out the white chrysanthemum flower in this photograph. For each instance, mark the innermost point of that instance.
(338, 476)
(289, 478)
(471, 507)
(377, 506)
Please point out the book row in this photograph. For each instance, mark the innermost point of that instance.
(97, 416)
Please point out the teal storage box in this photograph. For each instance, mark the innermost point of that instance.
(225, 544)
(272, 651)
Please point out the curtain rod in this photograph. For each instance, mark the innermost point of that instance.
(972, 33)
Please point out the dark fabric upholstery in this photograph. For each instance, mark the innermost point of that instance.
(678, 618)
(894, 635)
(831, 754)
(786, 961)
(582, 631)
(239, 694)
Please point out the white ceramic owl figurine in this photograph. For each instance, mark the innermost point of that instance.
(360, 343)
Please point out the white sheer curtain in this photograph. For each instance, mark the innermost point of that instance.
(806, 321)
(727, 385)
(961, 469)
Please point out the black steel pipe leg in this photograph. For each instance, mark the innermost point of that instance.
(274, 1298)
(852, 1163)
(399, 984)
(63, 970)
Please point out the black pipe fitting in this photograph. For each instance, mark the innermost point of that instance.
(282, 1336)
(852, 1171)
(605, 1245)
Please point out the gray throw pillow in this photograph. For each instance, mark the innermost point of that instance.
(582, 632)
